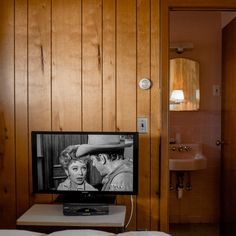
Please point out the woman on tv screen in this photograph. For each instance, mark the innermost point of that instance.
(75, 169)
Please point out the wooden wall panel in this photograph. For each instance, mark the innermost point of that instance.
(143, 110)
(21, 109)
(126, 78)
(109, 65)
(39, 71)
(66, 65)
(92, 65)
(77, 67)
(7, 152)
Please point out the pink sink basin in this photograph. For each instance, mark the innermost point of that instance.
(186, 157)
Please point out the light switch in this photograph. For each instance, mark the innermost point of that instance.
(216, 90)
(142, 125)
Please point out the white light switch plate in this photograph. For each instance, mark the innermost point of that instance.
(216, 90)
(142, 125)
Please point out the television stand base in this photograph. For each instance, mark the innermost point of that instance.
(86, 198)
(85, 209)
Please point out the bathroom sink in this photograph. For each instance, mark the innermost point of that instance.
(186, 157)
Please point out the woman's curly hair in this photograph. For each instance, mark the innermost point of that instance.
(67, 155)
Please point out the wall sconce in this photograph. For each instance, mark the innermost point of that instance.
(177, 96)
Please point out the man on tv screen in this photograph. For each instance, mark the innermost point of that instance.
(107, 155)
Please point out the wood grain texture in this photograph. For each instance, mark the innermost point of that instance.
(66, 65)
(109, 65)
(126, 77)
(77, 67)
(39, 72)
(126, 65)
(92, 65)
(143, 110)
(21, 108)
(7, 156)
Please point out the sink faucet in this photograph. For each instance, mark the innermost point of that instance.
(182, 148)
(187, 148)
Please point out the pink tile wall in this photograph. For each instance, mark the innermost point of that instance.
(202, 203)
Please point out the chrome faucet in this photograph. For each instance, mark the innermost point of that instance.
(181, 148)
(187, 148)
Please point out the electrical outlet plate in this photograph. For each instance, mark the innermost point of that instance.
(142, 125)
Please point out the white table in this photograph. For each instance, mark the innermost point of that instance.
(51, 216)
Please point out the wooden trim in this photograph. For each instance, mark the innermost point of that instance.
(164, 194)
(155, 116)
(201, 4)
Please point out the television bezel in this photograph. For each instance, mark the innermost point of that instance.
(70, 192)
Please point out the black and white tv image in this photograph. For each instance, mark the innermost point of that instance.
(85, 162)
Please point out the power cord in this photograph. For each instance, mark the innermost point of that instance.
(131, 211)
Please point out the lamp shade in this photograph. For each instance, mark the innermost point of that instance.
(177, 96)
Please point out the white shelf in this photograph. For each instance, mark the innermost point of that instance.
(52, 215)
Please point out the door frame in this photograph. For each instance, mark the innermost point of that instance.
(165, 7)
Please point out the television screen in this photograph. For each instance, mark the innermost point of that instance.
(85, 162)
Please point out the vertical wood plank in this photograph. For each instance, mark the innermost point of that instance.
(155, 124)
(66, 65)
(21, 109)
(92, 65)
(7, 154)
(143, 106)
(126, 65)
(109, 65)
(126, 78)
(39, 71)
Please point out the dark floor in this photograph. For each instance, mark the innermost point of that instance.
(194, 230)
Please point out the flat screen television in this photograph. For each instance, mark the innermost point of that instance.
(85, 163)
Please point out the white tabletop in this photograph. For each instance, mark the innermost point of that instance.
(52, 215)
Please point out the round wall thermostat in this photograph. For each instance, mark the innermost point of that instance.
(145, 83)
